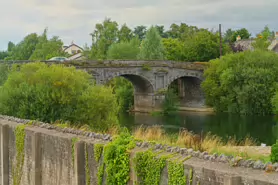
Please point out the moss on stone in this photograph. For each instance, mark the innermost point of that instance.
(19, 144)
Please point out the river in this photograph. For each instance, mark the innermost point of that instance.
(262, 128)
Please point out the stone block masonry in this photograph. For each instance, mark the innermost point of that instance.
(40, 154)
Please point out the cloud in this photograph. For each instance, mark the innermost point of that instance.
(74, 20)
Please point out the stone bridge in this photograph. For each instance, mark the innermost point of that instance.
(150, 79)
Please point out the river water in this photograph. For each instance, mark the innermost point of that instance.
(262, 128)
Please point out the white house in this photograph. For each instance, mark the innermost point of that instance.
(75, 52)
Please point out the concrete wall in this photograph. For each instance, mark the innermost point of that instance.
(49, 161)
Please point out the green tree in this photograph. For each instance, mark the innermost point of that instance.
(171, 103)
(4, 71)
(229, 36)
(11, 46)
(103, 37)
(3, 54)
(161, 31)
(124, 91)
(203, 46)
(46, 49)
(173, 49)
(140, 32)
(38, 91)
(151, 46)
(243, 33)
(242, 82)
(125, 34)
(24, 49)
(263, 39)
(124, 50)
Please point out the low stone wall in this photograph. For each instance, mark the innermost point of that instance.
(34, 153)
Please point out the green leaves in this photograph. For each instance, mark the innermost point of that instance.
(149, 167)
(152, 46)
(242, 83)
(55, 92)
(116, 159)
(274, 153)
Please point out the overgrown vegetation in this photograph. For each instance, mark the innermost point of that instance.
(149, 167)
(17, 170)
(210, 143)
(176, 173)
(242, 83)
(74, 140)
(170, 103)
(274, 153)
(98, 149)
(116, 158)
(49, 93)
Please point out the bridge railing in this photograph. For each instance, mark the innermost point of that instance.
(121, 63)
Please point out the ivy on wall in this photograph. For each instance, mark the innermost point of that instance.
(87, 169)
(19, 144)
(116, 160)
(149, 167)
(176, 173)
(74, 140)
(98, 149)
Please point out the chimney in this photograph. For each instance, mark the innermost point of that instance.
(238, 38)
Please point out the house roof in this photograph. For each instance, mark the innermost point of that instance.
(247, 44)
(66, 47)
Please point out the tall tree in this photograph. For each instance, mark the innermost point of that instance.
(140, 31)
(124, 50)
(47, 49)
(152, 46)
(125, 34)
(228, 36)
(203, 46)
(25, 48)
(243, 33)
(161, 31)
(11, 45)
(103, 37)
(173, 49)
(262, 41)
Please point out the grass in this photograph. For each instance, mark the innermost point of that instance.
(211, 143)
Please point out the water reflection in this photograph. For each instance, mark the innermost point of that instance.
(263, 128)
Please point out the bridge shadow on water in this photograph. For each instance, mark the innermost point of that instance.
(264, 129)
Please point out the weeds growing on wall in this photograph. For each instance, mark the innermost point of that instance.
(87, 169)
(117, 157)
(149, 167)
(73, 141)
(176, 173)
(98, 148)
(19, 144)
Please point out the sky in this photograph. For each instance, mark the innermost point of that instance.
(74, 20)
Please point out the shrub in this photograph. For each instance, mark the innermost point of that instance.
(170, 103)
(56, 92)
(242, 83)
(274, 153)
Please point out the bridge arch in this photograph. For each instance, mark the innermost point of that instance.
(188, 89)
(140, 83)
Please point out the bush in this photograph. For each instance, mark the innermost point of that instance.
(170, 103)
(274, 153)
(56, 92)
(124, 91)
(242, 83)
